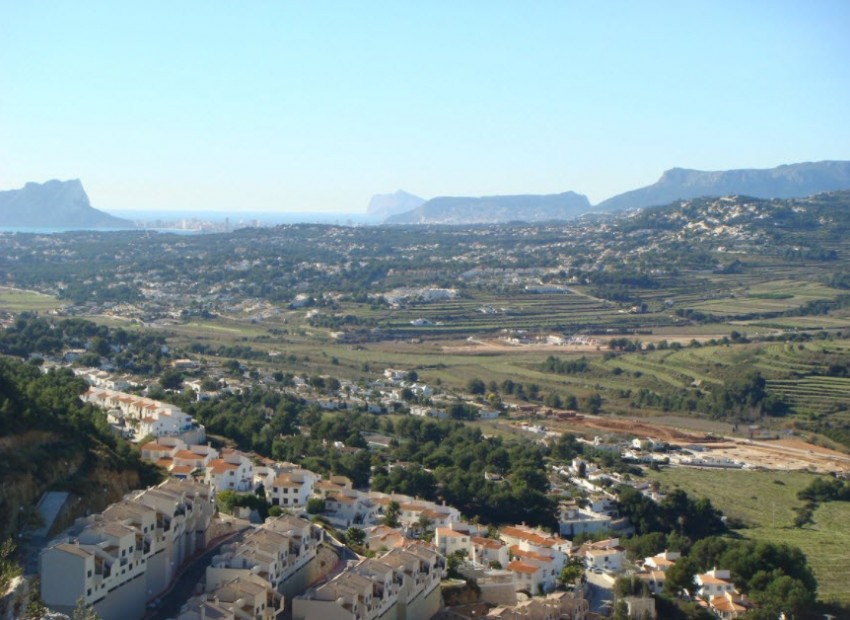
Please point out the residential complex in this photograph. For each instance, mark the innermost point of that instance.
(118, 560)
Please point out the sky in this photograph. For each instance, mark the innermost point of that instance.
(316, 106)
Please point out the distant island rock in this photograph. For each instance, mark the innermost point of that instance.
(789, 181)
(385, 205)
(495, 209)
(54, 204)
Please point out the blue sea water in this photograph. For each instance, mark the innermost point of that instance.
(164, 221)
(265, 218)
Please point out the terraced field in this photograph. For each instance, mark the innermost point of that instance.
(480, 315)
(768, 297)
(813, 393)
(765, 503)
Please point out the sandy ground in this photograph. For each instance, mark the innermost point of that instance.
(781, 454)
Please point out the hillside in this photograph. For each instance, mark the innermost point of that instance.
(495, 209)
(790, 181)
(54, 204)
(50, 441)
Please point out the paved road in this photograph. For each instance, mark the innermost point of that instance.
(190, 581)
(599, 590)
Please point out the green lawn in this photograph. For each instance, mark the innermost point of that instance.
(765, 502)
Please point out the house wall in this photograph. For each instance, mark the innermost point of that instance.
(305, 609)
(298, 581)
(422, 607)
(126, 602)
(63, 579)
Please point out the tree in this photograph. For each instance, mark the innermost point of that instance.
(391, 515)
(621, 611)
(315, 505)
(171, 379)
(553, 400)
(425, 523)
(355, 537)
(83, 611)
(9, 569)
(454, 562)
(476, 387)
(572, 572)
(592, 403)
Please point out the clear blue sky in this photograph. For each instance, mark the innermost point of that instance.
(302, 106)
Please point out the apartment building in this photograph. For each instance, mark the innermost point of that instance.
(400, 585)
(137, 417)
(277, 552)
(118, 560)
(247, 597)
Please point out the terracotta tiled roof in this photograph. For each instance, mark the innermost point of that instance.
(522, 567)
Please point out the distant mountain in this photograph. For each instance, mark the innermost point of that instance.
(495, 209)
(384, 205)
(54, 204)
(790, 181)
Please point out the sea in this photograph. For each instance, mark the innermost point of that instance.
(201, 222)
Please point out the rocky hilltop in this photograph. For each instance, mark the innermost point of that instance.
(385, 205)
(54, 204)
(495, 209)
(789, 181)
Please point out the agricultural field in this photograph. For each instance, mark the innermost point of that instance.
(768, 297)
(764, 503)
(17, 300)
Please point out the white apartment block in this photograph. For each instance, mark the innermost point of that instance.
(276, 552)
(537, 541)
(247, 597)
(137, 417)
(403, 584)
(412, 510)
(118, 560)
(288, 487)
(178, 457)
(605, 555)
(528, 577)
(232, 471)
(488, 551)
(449, 541)
(548, 568)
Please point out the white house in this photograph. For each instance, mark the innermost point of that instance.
(715, 582)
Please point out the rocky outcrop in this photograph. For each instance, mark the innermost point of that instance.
(54, 204)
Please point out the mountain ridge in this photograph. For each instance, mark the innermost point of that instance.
(54, 204)
(495, 209)
(785, 181)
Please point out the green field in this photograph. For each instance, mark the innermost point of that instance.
(767, 297)
(16, 300)
(765, 502)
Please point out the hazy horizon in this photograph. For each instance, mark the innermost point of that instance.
(278, 107)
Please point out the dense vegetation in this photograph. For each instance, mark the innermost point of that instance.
(45, 429)
(129, 350)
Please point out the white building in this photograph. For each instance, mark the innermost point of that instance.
(137, 417)
(120, 559)
(233, 471)
(402, 584)
(277, 551)
(713, 583)
(291, 487)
